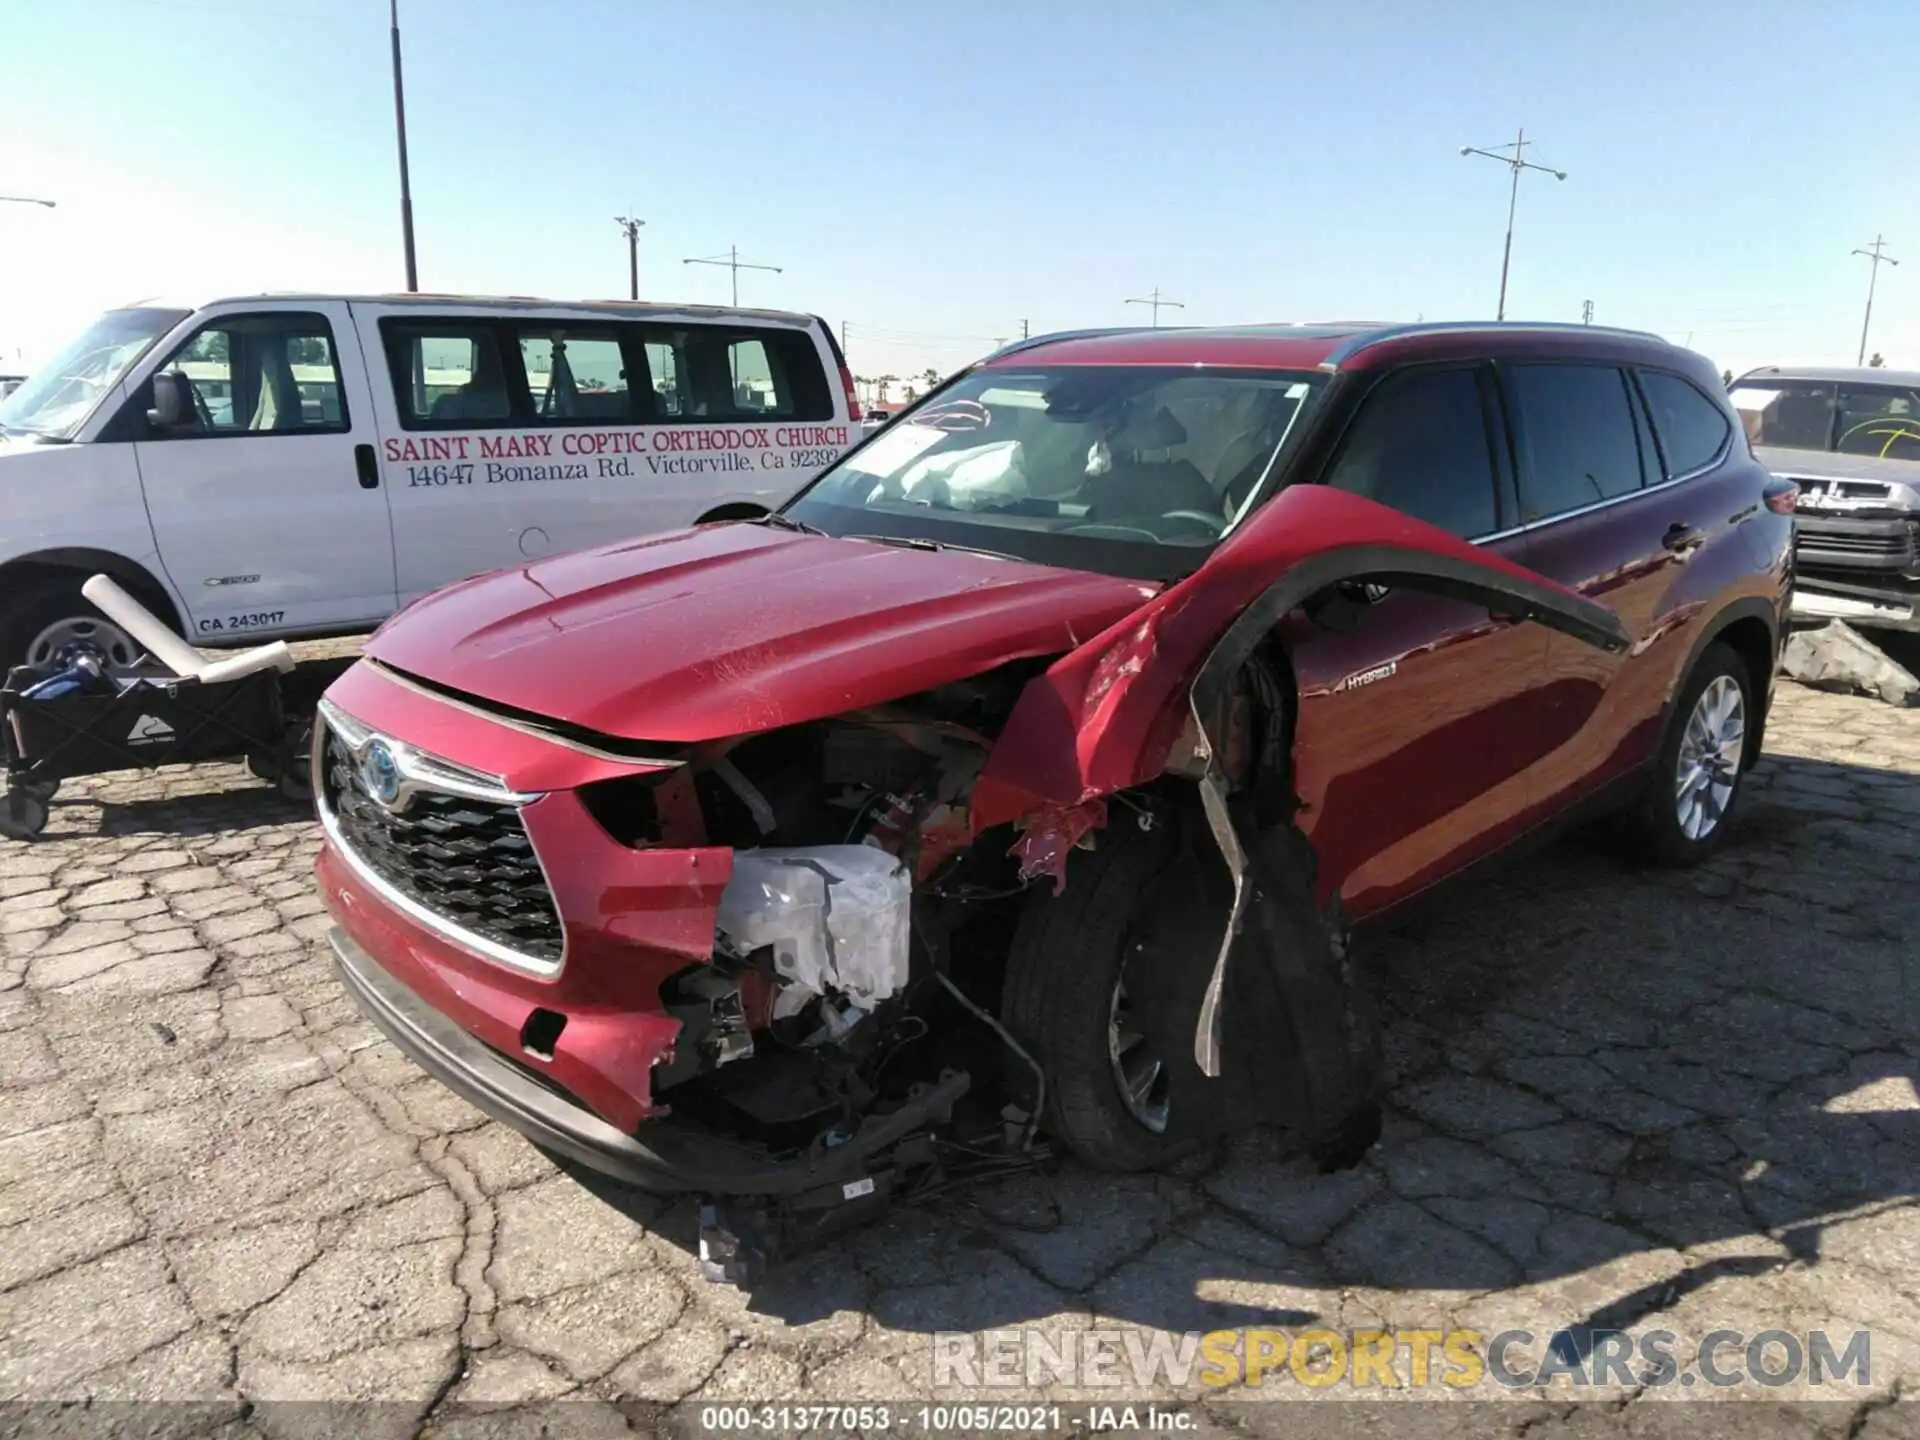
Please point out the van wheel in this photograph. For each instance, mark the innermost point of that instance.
(52, 615)
(1695, 785)
(1075, 1000)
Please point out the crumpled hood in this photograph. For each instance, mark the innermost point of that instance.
(732, 629)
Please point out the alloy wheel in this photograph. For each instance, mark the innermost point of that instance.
(1709, 762)
(1138, 1071)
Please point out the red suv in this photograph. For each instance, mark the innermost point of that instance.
(1029, 770)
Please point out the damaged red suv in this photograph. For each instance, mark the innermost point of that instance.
(1027, 773)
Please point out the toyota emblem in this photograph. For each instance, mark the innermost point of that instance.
(380, 773)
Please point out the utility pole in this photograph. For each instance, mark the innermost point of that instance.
(1876, 254)
(734, 263)
(1516, 162)
(632, 229)
(400, 131)
(1586, 312)
(1024, 333)
(1158, 303)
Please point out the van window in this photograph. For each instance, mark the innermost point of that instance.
(447, 374)
(260, 374)
(577, 375)
(722, 373)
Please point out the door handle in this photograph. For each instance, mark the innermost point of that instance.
(367, 466)
(1681, 538)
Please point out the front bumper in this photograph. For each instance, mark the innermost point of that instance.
(1886, 606)
(665, 1155)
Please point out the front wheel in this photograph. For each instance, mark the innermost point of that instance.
(1695, 785)
(49, 617)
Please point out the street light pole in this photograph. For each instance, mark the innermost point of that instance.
(1516, 162)
(632, 227)
(734, 263)
(1876, 253)
(400, 130)
(1158, 303)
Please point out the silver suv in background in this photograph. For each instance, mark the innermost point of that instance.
(1850, 439)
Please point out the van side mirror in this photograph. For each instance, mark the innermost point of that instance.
(171, 405)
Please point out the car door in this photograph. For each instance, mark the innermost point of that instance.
(265, 503)
(1421, 722)
(1604, 520)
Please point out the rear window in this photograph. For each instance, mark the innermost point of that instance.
(476, 372)
(1692, 429)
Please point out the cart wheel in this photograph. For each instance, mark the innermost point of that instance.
(41, 790)
(295, 778)
(264, 765)
(23, 815)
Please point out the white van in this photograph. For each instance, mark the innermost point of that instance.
(300, 465)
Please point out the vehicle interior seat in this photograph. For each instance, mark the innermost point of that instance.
(483, 397)
(1136, 484)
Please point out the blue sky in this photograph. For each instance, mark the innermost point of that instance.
(932, 175)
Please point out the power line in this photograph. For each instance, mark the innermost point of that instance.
(1516, 162)
(1876, 253)
(734, 263)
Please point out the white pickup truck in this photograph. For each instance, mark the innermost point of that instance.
(277, 466)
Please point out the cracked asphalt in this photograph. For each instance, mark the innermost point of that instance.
(1619, 1097)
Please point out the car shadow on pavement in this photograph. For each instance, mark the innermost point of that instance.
(1610, 1090)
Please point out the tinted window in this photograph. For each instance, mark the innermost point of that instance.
(447, 374)
(1419, 444)
(1577, 436)
(1692, 429)
(260, 374)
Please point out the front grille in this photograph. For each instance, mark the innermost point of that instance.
(468, 862)
(1887, 546)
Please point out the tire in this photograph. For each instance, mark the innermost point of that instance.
(1068, 954)
(1659, 823)
(49, 602)
(23, 815)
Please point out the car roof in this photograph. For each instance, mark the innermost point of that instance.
(1349, 345)
(1858, 374)
(611, 308)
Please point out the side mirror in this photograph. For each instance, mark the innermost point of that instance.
(171, 405)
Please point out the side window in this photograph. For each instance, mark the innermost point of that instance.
(1692, 429)
(575, 375)
(447, 375)
(1578, 438)
(723, 373)
(260, 375)
(1420, 445)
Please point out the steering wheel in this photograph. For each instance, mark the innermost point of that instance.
(1216, 524)
(1897, 432)
(200, 406)
(1111, 532)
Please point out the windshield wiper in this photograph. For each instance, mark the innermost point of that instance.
(786, 522)
(921, 542)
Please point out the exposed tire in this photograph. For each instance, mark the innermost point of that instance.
(23, 815)
(1696, 781)
(1068, 954)
(53, 606)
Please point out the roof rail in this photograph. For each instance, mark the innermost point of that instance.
(1032, 340)
(1342, 353)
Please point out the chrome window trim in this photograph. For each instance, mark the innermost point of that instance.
(579, 747)
(331, 717)
(1610, 501)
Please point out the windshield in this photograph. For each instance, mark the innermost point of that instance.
(57, 398)
(1129, 470)
(1882, 421)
